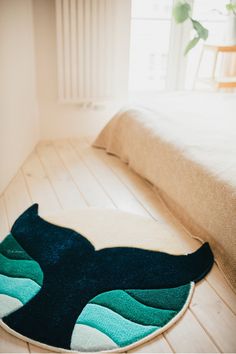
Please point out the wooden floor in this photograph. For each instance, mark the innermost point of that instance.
(69, 174)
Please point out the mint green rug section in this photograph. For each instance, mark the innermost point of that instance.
(8, 305)
(10, 248)
(128, 316)
(168, 299)
(122, 331)
(19, 288)
(89, 339)
(21, 269)
(132, 309)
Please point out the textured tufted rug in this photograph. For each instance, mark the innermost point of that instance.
(61, 291)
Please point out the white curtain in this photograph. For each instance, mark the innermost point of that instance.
(92, 49)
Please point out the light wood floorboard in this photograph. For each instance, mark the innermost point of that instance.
(68, 174)
(68, 193)
(92, 191)
(39, 185)
(117, 191)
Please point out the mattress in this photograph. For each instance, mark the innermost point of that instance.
(185, 145)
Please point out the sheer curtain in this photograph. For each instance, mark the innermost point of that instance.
(93, 38)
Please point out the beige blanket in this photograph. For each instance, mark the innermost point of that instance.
(189, 154)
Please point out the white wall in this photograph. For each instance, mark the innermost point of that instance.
(57, 119)
(19, 129)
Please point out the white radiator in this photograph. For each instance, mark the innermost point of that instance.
(90, 36)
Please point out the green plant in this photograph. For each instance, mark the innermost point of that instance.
(182, 12)
(231, 8)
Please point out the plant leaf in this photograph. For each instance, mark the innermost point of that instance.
(231, 7)
(191, 44)
(201, 31)
(181, 11)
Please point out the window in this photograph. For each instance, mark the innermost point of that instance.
(149, 47)
(157, 44)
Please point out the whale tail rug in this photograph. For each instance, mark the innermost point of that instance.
(57, 291)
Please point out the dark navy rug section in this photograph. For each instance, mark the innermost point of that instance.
(49, 244)
(69, 274)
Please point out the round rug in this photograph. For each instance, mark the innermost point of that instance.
(42, 267)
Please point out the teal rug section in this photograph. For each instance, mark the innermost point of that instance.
(120, 330)
(10, 248)
(21, 277)
(168, 299)
(21, 289)
(133, 310)
(21, 269)
(128, 316)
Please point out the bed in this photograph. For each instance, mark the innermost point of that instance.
(185, 145)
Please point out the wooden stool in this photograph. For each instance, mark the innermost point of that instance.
(220, 82)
